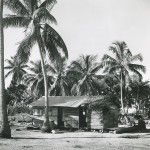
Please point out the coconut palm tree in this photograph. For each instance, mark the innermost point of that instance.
(16, 69)
(61, 83)
(5, 131)
(35, 17)
(83, 72)
(34, 80)
(122, 63)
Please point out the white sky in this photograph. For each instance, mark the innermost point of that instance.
(90, 26)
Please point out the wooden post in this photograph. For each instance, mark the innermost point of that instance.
(60, 117)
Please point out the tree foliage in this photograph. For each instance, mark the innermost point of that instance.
(16, 69)
(34, 79)
(84, 71)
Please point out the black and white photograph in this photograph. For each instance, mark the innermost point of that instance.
(74, 74)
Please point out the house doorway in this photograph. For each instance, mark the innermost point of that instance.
(82, 117)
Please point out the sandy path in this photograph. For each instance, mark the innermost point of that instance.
(30, 140)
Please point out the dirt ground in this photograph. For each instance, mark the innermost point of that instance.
(35, 140)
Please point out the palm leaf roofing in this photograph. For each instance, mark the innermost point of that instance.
(65, 101)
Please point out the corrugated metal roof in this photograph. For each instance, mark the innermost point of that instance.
(65, 101)
(74, 104)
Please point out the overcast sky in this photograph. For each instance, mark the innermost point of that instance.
(90, 26)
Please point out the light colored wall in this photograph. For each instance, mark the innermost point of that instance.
(96, 121)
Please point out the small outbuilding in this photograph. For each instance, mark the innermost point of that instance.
(75, 112)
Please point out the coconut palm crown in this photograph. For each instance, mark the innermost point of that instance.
(83, 72)
(16, 69)
(35, 17)
(122, 62)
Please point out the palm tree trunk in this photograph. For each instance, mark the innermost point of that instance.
(63, 89)
(46, 125)
(137, 100)
(5, 131)
(121, 92)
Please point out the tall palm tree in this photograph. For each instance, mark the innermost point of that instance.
(84, 71)
(16, 69)
(122, 63)
(35, 17)
(34, 80)
(5, 131)
(61, 83)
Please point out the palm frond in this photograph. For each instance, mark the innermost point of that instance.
(128, 53)
(31, 5)
(54, 42)
(137, 73)
(48, 4)
(35, 64)
(28, 79)
(9, 73)
(87, 61)
(107, 60)
(33, 86)
(10, 62)
(24, 66)
(108, 57)
(137, 67)
(16, 21)
(75, 65)
(52, 69)
(8, 67)
(17, 7)
(25, 46)
(137, 57)
(115, 51)
(121, 48)
(43, 15)
(114, 69)
(96, 68)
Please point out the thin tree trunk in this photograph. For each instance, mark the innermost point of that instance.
(63, 93)
(137, 100)
(5, 131)
(46, 125)
(121, 92)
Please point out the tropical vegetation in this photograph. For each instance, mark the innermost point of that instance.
(61, 82)
(113, 77)
(122, 64)
(16, 69)
(84, 71)
(34, 78)
(36, 18)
